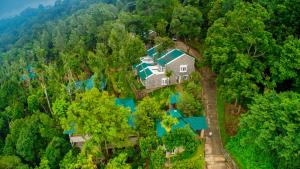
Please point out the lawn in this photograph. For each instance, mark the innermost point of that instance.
(221, 118)
(228, 122)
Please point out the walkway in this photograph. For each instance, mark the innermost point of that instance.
(214, 152)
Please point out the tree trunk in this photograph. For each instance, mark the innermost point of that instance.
(147, 163)
(239, 109)
(236, 100)
(106, 148)
(47, 97)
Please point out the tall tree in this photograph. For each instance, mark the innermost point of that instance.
(147, 112)
(186, 22)
(271, 128)
(96, 115)
(238, 46)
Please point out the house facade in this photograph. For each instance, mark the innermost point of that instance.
(159, 70)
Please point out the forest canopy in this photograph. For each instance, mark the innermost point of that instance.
(63, 66)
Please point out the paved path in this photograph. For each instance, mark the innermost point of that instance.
(214, 152)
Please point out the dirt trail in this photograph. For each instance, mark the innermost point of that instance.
(214, 151)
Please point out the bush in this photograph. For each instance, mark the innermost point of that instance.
(189, 105)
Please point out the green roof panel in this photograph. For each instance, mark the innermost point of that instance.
(174, 54)
(175, 113)
(128, 103)
(174, 98)
(160, 130)
(145, 73)
(197, 123)
(151, 52)
(142, 66)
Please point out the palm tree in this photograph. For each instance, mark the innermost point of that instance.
(168, 121)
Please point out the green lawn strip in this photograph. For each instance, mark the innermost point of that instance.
(196, 160)
(221, 118)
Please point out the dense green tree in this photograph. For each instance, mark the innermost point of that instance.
(163, 9)
(118, 162)
(29, 136)
(96, 115)
(284, 20)
(186, 22)
(148, 145)
(168, 121)
(181, 137)
(162, 44)
(238, 46)
(189, 105)
(55, 151)
(271, 128)
(69, 160)
(147, 112)
(158, 158)
(12, 162)
(287, 65)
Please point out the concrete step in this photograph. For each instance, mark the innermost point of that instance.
(214, 158)
(216, 166)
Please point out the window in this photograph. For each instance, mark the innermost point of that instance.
(185, 77)
(183, 68)
(164, 81)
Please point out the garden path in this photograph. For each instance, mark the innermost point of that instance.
(215, 155)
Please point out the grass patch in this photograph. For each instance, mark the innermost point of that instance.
(221, 118)
(196, 161)
(248, 157)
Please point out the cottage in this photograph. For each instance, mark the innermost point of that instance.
(197, 124)
(159, 70)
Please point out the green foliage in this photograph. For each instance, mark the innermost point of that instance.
(196, 161)
(12, 162)
(189, 105)
(163, 43)
(168, 121)
(287, 66)
(60, 107)
(44, 164)
(181, 137)
(118, 162)
(148, 145)
(69, 160)
(147, 112)
(194, 89)
(163, 9)
(55, 151)
(158, 158)
(238, 46)
(271, 126)
(253, 47)
(29, 136)
(95, 114)
(186, 22)
(162, 96)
